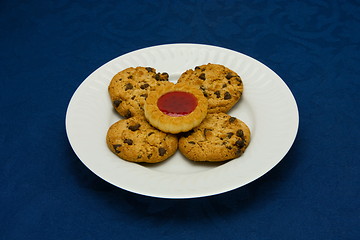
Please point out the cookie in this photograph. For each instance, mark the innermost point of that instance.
(129, 88)
(175, 108)
(220, 85)
(219, 137)
(135, 140)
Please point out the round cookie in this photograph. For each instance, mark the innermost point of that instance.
(135, 140)
(129, 88)
(176, 108)
(219, 137)
(222, 86)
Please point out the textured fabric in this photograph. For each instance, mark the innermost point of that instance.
(47, 48)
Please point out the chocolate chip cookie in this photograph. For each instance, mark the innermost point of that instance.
(129, 88)
(222, 86)
(135, 140)
(219, 137)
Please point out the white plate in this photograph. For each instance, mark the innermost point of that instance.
(267, 107)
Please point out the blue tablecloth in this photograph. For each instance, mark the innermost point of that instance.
(47, 48)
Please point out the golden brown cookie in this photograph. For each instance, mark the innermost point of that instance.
(219, 137)
(135, 140)
(129, 88)
(175, 108)
(220, 85)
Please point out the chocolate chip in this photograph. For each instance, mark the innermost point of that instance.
(229, 134)
(144, 95)
(199, 68)
(238, 152)
(232, 119)
(161, 77)
(217, 93)
(130, 77)
(115, 146)
(229, 75)
(229, 147)
(203, 88)
(240, 133)
(162, 151)
(117, 103)
(227, 96)
(128, 86)
(165, 76)
(128, 141)
(202, 76)
(149, 69)
(134, 127)
(224, 85)
(133, 97)
(192, 142)
(144, 86)
(139, 156)
(149, 156)
(239, 143)
(128, 114)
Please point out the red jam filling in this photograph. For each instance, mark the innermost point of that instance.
(177, 104)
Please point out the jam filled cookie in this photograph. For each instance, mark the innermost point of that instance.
(175, 108)
(129, 88)
(219, 137)
(135, 140)
(220, 85)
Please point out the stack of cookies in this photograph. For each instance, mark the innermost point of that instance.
(191, 115)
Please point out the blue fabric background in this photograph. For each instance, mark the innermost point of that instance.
(47, 48)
